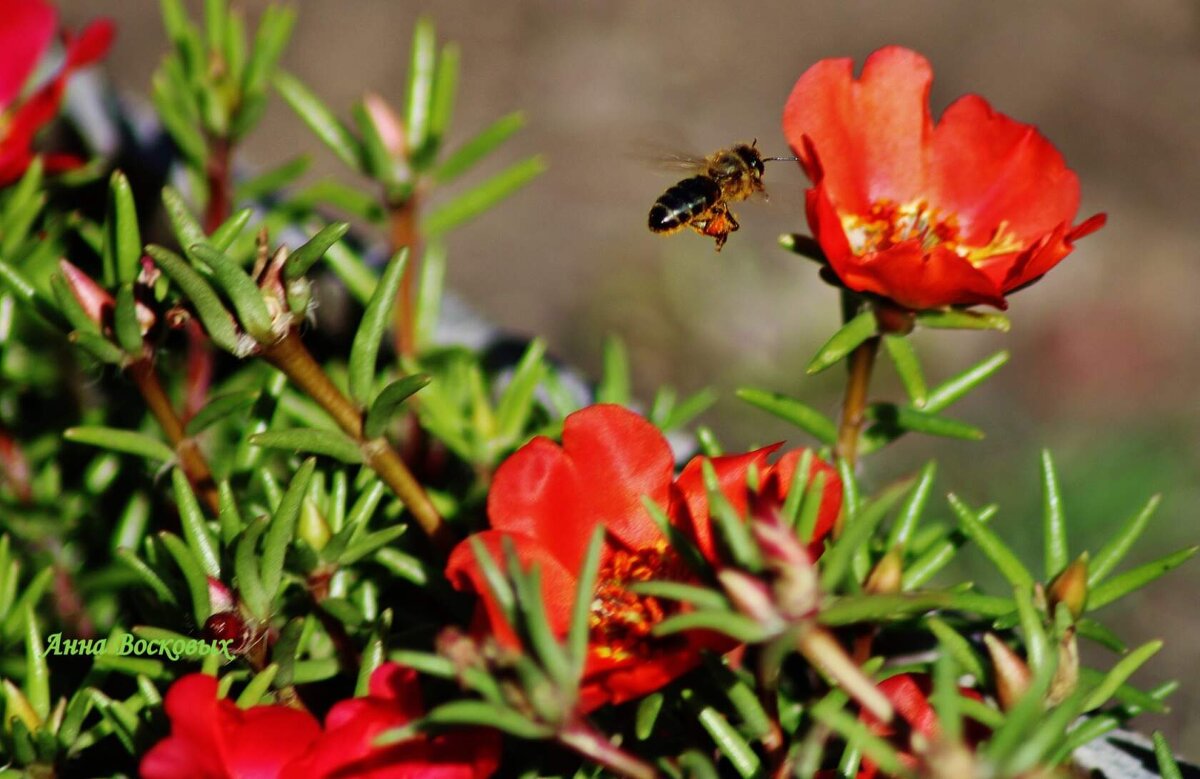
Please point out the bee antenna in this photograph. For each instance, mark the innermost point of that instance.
(781, 159)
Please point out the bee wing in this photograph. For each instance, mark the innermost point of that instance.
(670, 160)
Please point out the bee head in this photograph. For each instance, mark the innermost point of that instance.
(751, 157)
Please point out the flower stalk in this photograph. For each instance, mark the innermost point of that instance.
(596, 747)
(289, 355)
(854, 403)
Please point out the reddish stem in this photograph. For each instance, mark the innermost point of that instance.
(405, 233)
(854, 405)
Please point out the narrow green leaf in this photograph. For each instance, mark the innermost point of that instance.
(98, 347)
(195, 529)
(274, 30)
(348, 266)
(330, 443)
(647, 715)
(390, 401)
(615, 385)
(516, 403)
(254, 691)
(1134, 579)
(273, 180)
(483, 144)
(371, 543)
(908, 367)
(1090, 628)
(1167, 767)
(695, 595)
(148, 576)
(480, 714)
(835, 563)
(445, 88)
(245, 567)
(475, 201)
(365, 349)
(419, 101)
(327, 127)
(124, 441)
(1114, 551)
(299, 261)
(193, 574)
(956, 319)
(429, 292)
(844, 341)
(242, 291)
(37, 672)
(122, 228)
(220, 408)
(378, 160)
(216, 319)
(228, 231)
(1054, 526)
(951, 390)
(953, 643)
(990, 544)
(1119, 673)
(891, 417)
(854, 731)
(68, 305)
(740, 628)
(348, 199)
(1037, 644)
(125, 321)
(910, 513)
(807, 419)
(280, 534)
(730, 743)
(187, 229)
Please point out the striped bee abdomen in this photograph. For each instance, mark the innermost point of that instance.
(683, 202)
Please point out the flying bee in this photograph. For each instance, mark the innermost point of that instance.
(702, 201)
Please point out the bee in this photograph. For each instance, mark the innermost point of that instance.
(702, 201)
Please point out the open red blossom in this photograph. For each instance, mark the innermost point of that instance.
(958, 213)
(347, 747)
(26, 31)
(548, 499)
(211, 738)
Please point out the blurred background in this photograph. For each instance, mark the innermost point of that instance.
(1105, 353)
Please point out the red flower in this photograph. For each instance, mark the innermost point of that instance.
(957, 213)
(347, 748)
(211, 738)
(548, 499)
(909, 694)
(26, 30)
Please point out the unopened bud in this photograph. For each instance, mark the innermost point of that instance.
(751, 597)
(886, 575)
(220, 597)
(313, 528)
(387, 124)
(93, 299)
(1070, 587)
(1011, 672)
(1066, 675)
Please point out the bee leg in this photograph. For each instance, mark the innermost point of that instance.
(719, 225)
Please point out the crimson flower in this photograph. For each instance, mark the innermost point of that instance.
(26, 30)
(958, 213)
(548, 499)
(212, 738)
(347, 748)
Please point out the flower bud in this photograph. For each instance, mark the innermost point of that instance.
(93, 299)
(227, 626)
(220, 597)
(1070, 587)
(886, 575)
(313, 528)
(1066, 675)
(751, 597)
(1011, 672)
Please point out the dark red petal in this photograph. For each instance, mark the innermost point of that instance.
(732, 472)
(609, 682)
(25, 32)
(537, 492)
(620, 458)
(910, 696)
(993, 171)
(778, 480)
(558, 583)
(91, 44)
(872, 133)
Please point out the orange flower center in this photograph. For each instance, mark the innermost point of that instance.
(888, 223)
(621, 621)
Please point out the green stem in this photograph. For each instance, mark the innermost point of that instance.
(596, 747)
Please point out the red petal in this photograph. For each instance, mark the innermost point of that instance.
(538, 492)
(732, 472)
(620, 458)
(91, 44)
(876, 127)
(991, 170)
(1043, 256)
(910, 697)
(27, 29)
(194, 748)
(558, 583)
(267, 738)
(778, 480)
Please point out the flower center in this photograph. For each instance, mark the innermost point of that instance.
(621, 621)
(888, 223)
